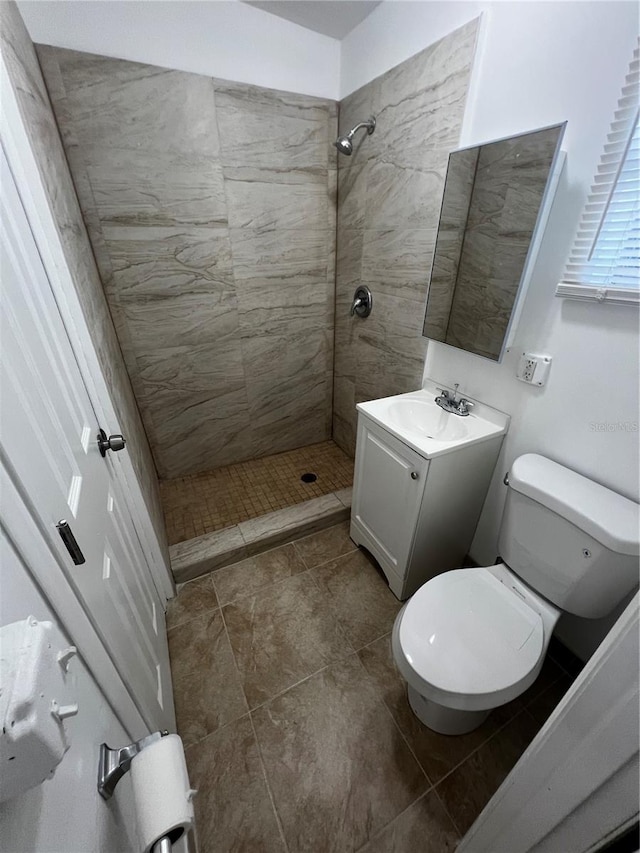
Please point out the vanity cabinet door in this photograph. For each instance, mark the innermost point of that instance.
(388, 486)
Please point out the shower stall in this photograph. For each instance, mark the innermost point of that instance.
(211, 208)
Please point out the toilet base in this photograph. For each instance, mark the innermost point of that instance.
(445, 721)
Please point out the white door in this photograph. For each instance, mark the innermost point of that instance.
(389, 481)
(48, 438)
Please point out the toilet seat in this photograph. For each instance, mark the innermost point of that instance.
(467, 641)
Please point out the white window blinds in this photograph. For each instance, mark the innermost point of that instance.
(605, 259)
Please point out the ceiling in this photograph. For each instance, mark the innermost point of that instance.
(333, 18)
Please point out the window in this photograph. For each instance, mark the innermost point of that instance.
(605, 259)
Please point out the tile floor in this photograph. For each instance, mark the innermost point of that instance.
(202, 503)
(297, 729)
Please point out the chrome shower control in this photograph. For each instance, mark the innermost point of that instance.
(362, 302)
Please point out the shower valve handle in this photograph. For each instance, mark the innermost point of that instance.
(362, 302)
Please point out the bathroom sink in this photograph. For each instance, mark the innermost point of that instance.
(416, 420)
(428, 419)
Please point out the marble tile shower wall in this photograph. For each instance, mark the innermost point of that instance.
(389, 196)
(211, 210)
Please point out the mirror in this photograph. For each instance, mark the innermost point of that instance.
(496, 200)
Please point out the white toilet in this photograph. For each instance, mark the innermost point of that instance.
(470, 640)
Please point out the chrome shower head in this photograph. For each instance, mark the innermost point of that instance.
(344, 143)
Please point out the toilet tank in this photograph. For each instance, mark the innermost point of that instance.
(575, 542)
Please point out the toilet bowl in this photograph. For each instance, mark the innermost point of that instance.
(468, 641)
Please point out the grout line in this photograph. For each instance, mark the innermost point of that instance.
(332, 612)
(366, 645)
(562, 667)
(301, 681)
(461, 835)
(188, 746)
(484, 743)
(396, 724)
(268, 786)
(523, 712)
(398, 816)
(377, 639)
(349, 652)
(235, 662)
(327, 598)
(448, 813)
(262, 589)
(331, 559)
(193, 617)
(430, 786)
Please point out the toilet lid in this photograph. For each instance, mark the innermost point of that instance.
(465, 632)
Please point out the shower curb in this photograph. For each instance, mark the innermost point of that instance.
(204, 554)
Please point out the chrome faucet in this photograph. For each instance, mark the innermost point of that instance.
(451, 402)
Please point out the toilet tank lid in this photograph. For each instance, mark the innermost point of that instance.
(608, 517)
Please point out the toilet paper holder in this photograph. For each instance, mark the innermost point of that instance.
(114, 763)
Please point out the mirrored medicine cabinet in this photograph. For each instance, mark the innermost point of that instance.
(496, 201)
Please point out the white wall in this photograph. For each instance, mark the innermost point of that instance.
(224, 38)
(65, 814)
(394, 31)
(539, 63)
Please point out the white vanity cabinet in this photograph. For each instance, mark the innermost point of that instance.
(416, 515)
(389, 481)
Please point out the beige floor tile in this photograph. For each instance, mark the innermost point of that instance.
(281, 635)
(325, 545)
(233, 807)
(192, 600)
(359, 595)
(257, 572)
(206, 686)
(338, 768)
(467, 790)
(425, 827)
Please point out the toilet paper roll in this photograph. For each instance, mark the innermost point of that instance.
(161, 791)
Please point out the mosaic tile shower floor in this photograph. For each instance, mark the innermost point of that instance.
(202, 503)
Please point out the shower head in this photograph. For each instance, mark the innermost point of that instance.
(344, 143)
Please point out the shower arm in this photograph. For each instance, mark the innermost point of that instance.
(370, 124)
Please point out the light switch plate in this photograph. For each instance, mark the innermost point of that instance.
(533, 368)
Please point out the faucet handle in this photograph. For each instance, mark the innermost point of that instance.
(357, 302)
(443, 392)
(465, 405)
